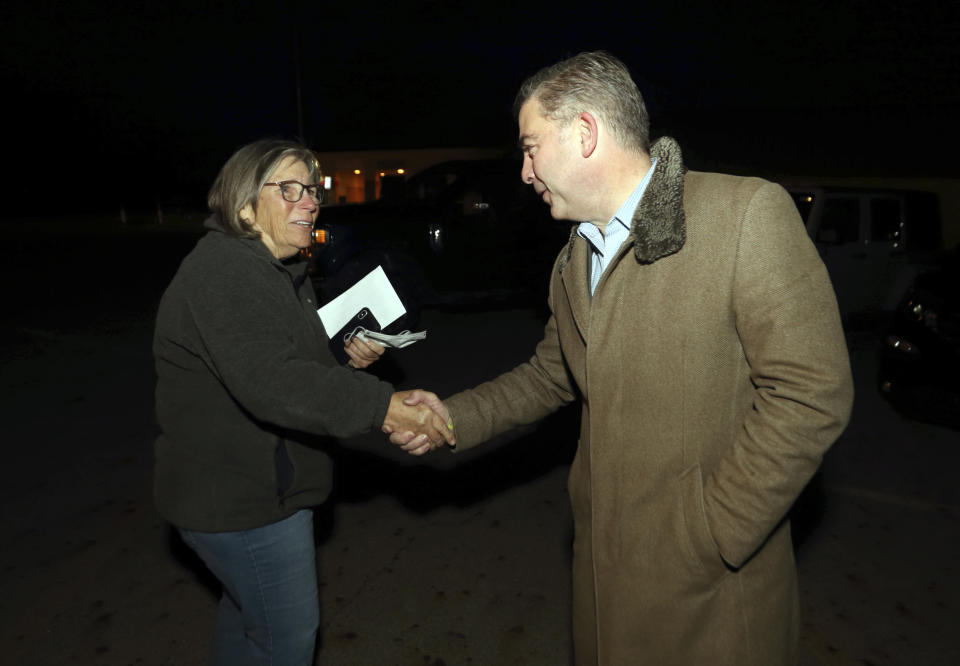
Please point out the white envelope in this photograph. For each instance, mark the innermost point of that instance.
(373, 291)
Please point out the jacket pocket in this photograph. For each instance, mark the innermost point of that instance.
(700, 544)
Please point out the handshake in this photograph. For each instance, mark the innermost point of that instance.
(418, 421)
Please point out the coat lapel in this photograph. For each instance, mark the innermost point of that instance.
(575, 276)
(659, 224)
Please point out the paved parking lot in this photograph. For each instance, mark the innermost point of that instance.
(448, 560)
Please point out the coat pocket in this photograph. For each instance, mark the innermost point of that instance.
(700, 544)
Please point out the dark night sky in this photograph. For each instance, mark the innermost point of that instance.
(157, 98)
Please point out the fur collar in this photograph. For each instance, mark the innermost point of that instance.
(659, 227)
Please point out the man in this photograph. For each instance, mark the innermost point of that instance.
(693, 319)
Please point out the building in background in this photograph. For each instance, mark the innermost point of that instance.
(366, 175)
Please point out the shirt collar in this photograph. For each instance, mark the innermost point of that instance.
(619, 224)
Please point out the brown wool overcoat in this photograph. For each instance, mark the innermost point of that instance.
(713, 375)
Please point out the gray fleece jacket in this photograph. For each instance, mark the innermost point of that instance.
(248, 393)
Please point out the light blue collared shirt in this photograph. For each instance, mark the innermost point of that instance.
(605, 245)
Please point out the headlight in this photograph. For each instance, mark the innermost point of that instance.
(321, 236)
(435, 237)
(902, 345)
(922, 314)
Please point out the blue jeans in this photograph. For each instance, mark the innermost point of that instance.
(270, 611)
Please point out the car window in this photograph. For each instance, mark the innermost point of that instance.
(840, 221)
(428, 188)
(886, 219)
(804, 202)
(922, 215)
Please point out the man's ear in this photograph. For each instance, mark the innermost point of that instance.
(587, 127)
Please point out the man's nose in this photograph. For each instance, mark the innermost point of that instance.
(526, 171)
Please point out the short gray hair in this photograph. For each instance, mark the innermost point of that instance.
(242, 177)
(593, 81)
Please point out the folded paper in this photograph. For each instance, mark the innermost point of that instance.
(373, 292)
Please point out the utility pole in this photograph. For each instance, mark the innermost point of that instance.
(297, 11)
(296, 70)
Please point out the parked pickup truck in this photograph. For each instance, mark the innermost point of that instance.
(460, 232)
(873, 241)
(469, 231)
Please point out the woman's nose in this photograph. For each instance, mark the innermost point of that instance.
(308, 202)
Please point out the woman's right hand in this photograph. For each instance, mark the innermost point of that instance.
(417, 421)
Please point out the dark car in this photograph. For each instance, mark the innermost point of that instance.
(460, 232)
(920, 355)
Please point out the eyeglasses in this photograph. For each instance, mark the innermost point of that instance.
(292, 190)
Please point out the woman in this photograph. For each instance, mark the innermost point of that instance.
(248, 395)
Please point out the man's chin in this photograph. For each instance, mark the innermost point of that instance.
(556, 211)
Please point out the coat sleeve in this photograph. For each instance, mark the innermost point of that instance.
(789, 327)
(529, 392)
(241, 321)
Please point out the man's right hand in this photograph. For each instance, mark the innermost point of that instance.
(418, 422)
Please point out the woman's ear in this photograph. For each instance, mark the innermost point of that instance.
(248, 215)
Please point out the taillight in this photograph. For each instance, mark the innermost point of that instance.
(320, 236)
